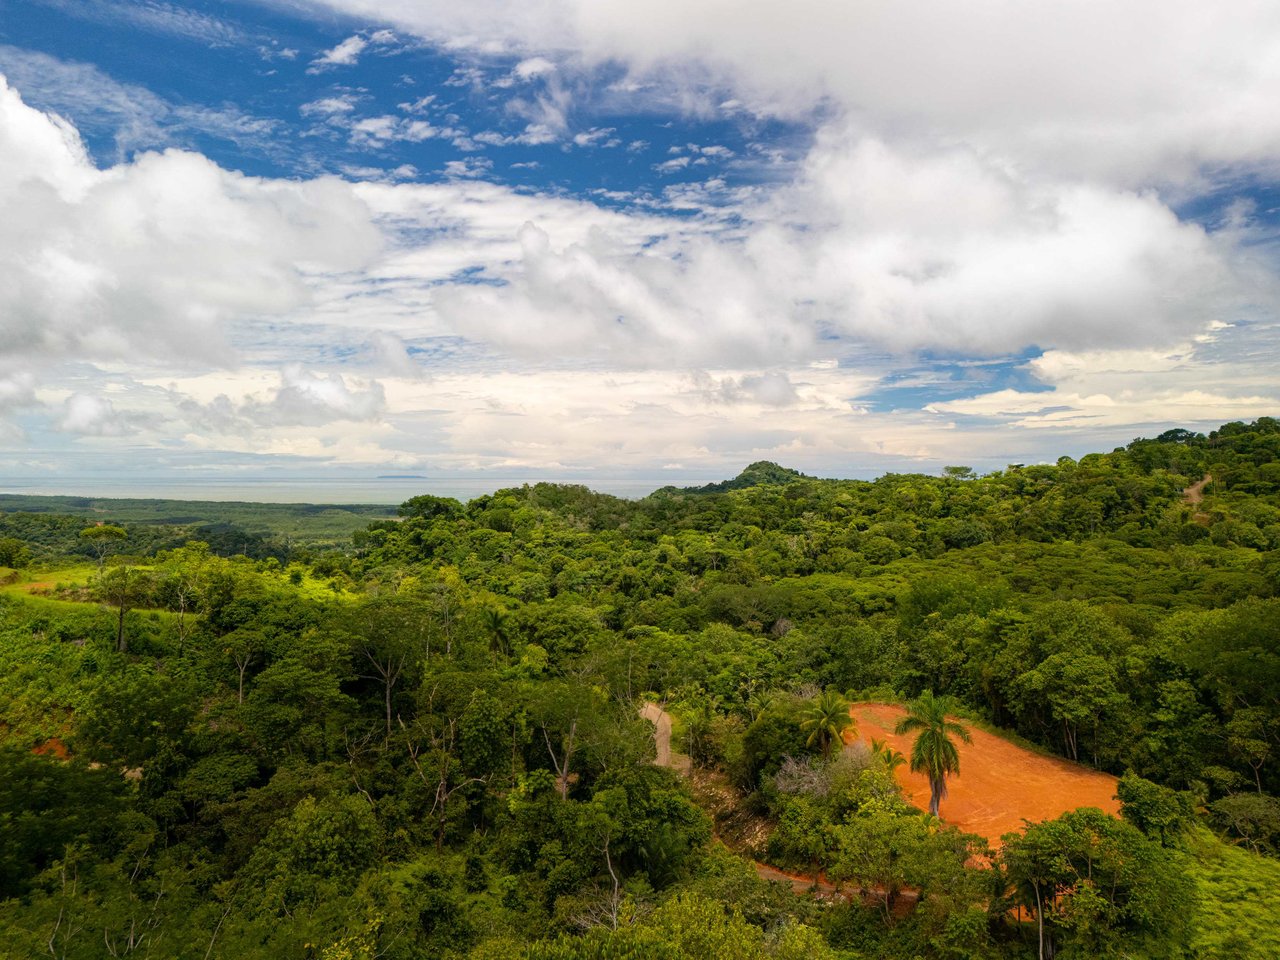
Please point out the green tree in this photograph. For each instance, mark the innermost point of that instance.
(882, 852)
(891, 758)
(388, 638)
(1157, 811)
(934, 753)
(14, 553)
(123, 587)
(314, 854)
(1098, 886)
(497, 625)
(825, 720)
(101, 539)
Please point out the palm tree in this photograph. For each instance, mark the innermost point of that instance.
(495, 621)
(934, 753)
(890, 757)
(825, 720)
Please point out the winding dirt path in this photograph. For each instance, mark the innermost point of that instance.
(666, 757)
(1193, 496)
(1195, 493)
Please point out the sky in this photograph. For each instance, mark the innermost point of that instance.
(249, 243)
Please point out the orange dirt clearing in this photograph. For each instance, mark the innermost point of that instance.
(999, 785)
(53, 747)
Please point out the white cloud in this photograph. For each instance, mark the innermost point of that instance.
(468, 167)
(92, 416)
(345, 54)
(17, 393)
(155, 16)
(305, 397)
(329, 106)
(131, 115)
(880, 247)
(596, 137)
(152, 258)
(348, 52)
(1153, 91)
(392, 355)
(376, 132)
(940, 206)
(533, 67)
(672, 165)
(406, 171)
(420, 105)
(300, 398)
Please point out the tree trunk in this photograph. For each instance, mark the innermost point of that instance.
(122, 645)
(1039, 921)
(386, 688)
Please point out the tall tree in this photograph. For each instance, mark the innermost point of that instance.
(102, 537)
(497, 625)
(934, 753)
(825, 720)
(388, 635)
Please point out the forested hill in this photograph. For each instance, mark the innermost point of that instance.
(429, 744)
(1134, 494)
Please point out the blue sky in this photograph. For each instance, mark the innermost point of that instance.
(625, 245)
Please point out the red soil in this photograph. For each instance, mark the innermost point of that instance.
(53, 747)
(999, 785)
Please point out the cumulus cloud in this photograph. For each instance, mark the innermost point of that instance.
(153, 258)
(17, 392)
(300, 398)
(1153, 91)
(981, 210)
(877, 246)
(348, 52)
(392, 354)
(533, 67)
(947, 249)
(93, 416)
(939, 206)
(306, 397)
(773, 388)
(602, 297)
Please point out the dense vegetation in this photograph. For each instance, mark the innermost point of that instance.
(429, 745)
(48, 526)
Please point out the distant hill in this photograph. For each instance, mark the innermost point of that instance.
(759, 474)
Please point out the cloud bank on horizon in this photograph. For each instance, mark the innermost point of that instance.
(586, 238)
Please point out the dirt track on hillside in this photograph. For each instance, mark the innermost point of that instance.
(666, 757)
(999, 785)
(1195, 493)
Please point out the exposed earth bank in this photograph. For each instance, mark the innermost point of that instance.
(1000, 784)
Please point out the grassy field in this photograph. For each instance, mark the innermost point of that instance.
(1239, 896)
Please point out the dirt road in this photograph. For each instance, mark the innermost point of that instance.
(1195, 493)
(666, 757)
